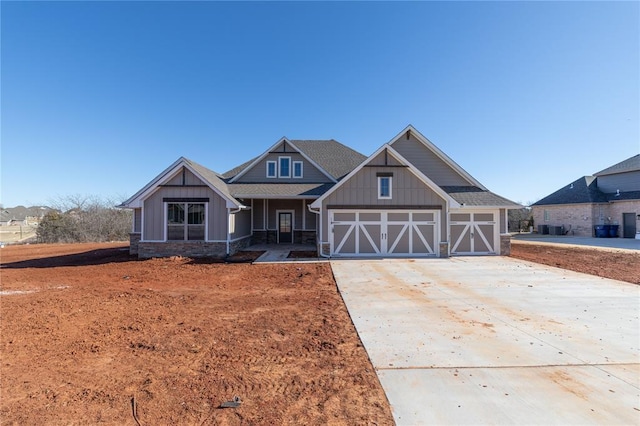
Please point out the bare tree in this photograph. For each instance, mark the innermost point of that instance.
(84, 218)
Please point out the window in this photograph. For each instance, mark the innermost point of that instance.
(547, 216)
(285, 169)
(384, 187)
(297, 169)
(271, 169)
(185, 221)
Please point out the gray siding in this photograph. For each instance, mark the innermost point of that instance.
(629, 181)
(275, 205)
(427, 162)
(258, 173)
(503, 213)
(362, 190)
(137, 220)
(258, 214)
(154, 211)
(188, 177)
(242, 221)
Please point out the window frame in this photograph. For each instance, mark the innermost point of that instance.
(390, 186)
(185, 219)
(293, 169)
(275, 169)
(280, 174)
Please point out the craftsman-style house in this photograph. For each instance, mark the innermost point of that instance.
(406, 199)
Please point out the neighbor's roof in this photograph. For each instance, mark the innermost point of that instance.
(631, 164)
(277, 190)
(474, 196)
(583, 190)
(335, 158)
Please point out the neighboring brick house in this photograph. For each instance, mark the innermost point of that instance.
(407, 199)
(609, 197)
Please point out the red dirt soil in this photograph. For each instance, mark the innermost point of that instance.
(95, 330)
(85, 330)
(622, 265)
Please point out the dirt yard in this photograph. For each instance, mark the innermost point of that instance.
(86, 331)
(90, 335)
(622, 265)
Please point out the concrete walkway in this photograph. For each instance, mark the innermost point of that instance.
(495, 340)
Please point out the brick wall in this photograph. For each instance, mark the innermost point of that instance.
(578, 219)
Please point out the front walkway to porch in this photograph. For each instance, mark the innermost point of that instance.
(279, 253)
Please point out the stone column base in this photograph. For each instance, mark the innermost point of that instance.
(444, 249)
(505, 244)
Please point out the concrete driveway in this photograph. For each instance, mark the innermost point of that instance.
(494, 340)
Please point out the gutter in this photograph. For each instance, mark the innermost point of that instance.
(229, 212)
(320, 239)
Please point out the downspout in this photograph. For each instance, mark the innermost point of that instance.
(320, 239)
(229, 212)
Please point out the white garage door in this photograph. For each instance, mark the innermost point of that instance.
(474, 233)
(384, 233)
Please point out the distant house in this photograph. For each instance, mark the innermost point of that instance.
(609, 197)
(20, 215)
(406, 199)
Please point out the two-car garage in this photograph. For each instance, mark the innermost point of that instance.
(384, 232)
(416, 233)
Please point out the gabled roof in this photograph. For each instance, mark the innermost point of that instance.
(209, 177)
(472, 196)
(440, 154)
(428, 182)
(583, 190)
(337, 159)
(631, 164)
(331, 157)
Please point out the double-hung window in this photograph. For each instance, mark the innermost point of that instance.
(297, 169)
(185, 221)
(384, 187)
(285, 167)
(271, 169)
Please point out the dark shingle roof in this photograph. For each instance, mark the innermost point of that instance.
(335, 158)
(631, 164)
(249, 190)
(583, 190)
(474, 196)
(231, 173)
(211, 177)
(624, 196)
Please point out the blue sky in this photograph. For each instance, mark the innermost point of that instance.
(99, 97)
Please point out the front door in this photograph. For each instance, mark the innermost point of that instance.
(629, 225)
(285, 227)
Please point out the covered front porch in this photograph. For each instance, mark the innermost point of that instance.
(282, 222)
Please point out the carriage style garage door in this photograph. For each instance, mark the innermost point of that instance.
(384, 233)
(474, 233)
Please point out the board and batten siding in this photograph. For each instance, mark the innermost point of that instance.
(362, 190)
(154, 211)
(427, 162)
(184, 177)
(241, 222)
(137, 220)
